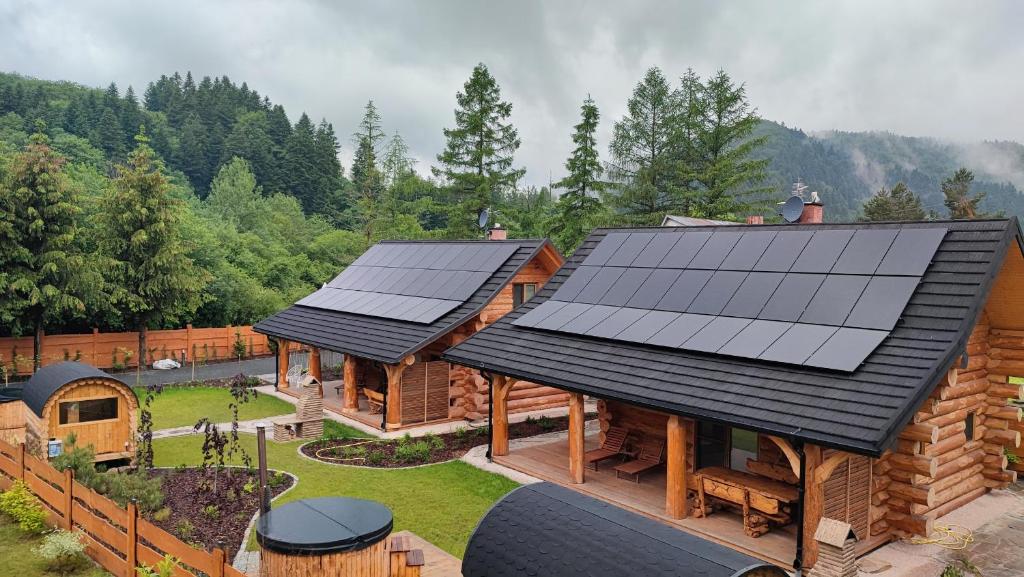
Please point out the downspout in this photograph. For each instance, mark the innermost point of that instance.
(277, 364)
(384, 413)
(490, 413)
(799, 561)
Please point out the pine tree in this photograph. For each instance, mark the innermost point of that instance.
(900, 203)
(194, 152)
(107, 135)
(578, 207)
(153, 282)
(300, 160)
(958, 199)
(44, 268)
(477, 161)
(366, 175)
(642, 163)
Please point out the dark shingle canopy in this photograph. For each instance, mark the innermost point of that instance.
(544, 530)
(389, 340)
(860, 411)
(47, 380)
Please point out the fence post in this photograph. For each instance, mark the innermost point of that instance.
(219, 559)
(133, 538)
(21, 461)
(69, 499)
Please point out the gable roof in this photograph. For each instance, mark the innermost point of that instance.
(390, 340)
(544, 530)
(47, 380)
(861, 411)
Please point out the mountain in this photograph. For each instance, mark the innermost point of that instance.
(848, 167)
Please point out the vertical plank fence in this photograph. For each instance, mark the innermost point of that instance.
(117, 539)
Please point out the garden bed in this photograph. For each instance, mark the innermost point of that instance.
(197, 515)
(408, 451)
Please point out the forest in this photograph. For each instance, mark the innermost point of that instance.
(203, 202)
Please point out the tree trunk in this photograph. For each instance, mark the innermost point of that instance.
(37, 344)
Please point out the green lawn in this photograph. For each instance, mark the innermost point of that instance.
(183, 406)
(17, 558)
(441, 503)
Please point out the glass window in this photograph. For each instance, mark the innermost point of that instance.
(744, 446)
(522, 292)
(72, 412)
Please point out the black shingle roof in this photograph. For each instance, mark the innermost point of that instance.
(47, 380)
(544, 530)
(862, 411)
(389, 340)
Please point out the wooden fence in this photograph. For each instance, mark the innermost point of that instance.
(118, 539)
(119, 350)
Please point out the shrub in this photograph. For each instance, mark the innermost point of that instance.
(165, 568)
(546, 423)
(277, 479)
(162, 515)
(238, 347)
(1011, 457)
(80, 460)
(185, 529)
(249, 486)
(435, 441)
(211, 511)
(461, 432)
(375, 457)
(418, 452)
(353, 452)
(122, 488)
(63, 551)
(21, 505)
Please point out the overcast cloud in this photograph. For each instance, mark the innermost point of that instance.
(951, 70)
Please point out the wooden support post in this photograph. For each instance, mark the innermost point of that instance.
(499, 410)
(576, 451)
(69, 498)
(351, 395)
(132, 532)
(676, 481)
(282, 364)
(814, 503)
(393, 411)
(314, 368)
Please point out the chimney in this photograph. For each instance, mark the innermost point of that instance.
(814, 210)
(755, 219)
(497, 233)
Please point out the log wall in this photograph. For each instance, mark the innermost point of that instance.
(12, 422)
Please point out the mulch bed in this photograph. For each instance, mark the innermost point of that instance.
(188, 493)
(407, 452)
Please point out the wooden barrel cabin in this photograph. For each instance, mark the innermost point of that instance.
(75, 398)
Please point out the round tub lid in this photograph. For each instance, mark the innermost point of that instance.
(324, 525)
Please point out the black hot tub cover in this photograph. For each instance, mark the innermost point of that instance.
(324, 525)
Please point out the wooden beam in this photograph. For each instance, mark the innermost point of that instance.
(282, 363)
(676, 482)
(499, 419)
(393, 411)
(576, 451)
(825, 470)
(791, 456)
(350, 397)
(814, 504)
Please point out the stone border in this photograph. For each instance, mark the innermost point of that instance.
(244, 558)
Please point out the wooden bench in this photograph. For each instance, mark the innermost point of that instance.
(375, 400)
(762, 501)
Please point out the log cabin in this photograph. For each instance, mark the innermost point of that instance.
(71, 398)
(393, 311)
(787, 373)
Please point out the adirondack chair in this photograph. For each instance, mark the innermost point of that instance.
(613, 446)
(375, 400)
(651, 456)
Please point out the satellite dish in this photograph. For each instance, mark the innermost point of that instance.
(481, 221)
(792, 209)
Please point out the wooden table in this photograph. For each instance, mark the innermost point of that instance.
(761, 499)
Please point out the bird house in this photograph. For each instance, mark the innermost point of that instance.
(836, 550)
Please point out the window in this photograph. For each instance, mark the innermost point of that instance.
(73, 412)
(722, 446)
(522, 292)
(969, 427)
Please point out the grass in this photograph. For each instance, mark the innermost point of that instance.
(183, 406)
(441, 503)
(334, 429)
(17, 558)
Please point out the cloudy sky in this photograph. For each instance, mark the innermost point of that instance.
(945, 69)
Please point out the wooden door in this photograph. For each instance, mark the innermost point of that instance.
(848, 493)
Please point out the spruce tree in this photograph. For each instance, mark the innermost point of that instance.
(42, 262)
(194, 152)
(958, 198)
(152, 280)
(366, 174)
(300, 161)
(396, 164)
(900, 203)
(578, 207)
(642, 163)
(477, 161)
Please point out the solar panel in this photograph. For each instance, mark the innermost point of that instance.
(822, 298)
(411, 281)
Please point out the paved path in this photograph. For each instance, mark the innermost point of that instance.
(258, 366)
(243, 427)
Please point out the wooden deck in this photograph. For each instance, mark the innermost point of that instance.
(437, 563)
(550, 462)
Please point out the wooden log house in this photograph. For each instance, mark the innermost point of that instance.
(396, 309)
(859, 372)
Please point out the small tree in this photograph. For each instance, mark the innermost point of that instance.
(579, 205)
(900, 203)
(241, 393)
(958, 199)
(144, 444)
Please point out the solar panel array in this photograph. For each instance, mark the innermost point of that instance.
(824, 298)
(416, 282)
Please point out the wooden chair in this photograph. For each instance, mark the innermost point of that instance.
(651, 456)
(375, 400)
(613, 446)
